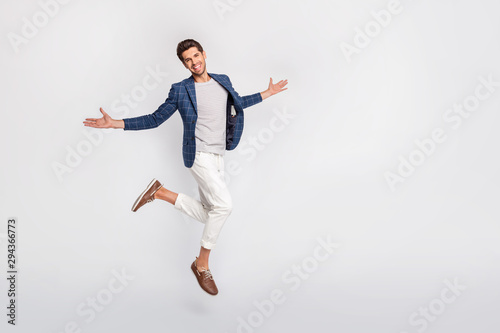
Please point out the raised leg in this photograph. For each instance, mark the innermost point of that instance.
(166, 195)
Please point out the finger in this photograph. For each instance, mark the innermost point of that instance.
(102, 111)
(270, 80)
(91, 119)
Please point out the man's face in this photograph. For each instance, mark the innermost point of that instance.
(194, 60)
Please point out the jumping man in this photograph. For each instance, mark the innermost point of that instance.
(212, 114)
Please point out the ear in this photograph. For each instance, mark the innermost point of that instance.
(204, 54)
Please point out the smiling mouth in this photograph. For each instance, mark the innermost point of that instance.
(197, 67)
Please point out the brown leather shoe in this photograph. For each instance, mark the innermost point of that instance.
(147, 195)
(205, 279)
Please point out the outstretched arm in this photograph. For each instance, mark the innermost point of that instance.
(274, 88)
(153, 120)
(105, 122)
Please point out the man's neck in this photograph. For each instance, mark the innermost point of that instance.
(201, 78)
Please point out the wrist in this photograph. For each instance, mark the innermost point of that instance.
(118, 123)
(265, 94)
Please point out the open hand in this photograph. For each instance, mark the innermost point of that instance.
(105, 122)
(277, 87)
(274, 88)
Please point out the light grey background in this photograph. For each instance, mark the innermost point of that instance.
(321, 175)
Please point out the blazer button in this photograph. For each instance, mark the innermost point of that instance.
(192, 122)
(192, 138)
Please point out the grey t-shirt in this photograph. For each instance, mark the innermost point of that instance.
(210, 132)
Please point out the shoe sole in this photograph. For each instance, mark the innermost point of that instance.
(134, 207)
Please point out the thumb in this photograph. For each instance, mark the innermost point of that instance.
(270, 80)
(104, 113)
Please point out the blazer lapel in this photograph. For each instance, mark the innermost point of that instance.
(221, 81)
(192, 92)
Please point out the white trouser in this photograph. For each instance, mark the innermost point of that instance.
(216, 204)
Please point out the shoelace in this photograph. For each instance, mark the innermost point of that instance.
(152, 197)
(208, 275)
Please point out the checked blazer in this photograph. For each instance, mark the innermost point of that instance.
(182, 97)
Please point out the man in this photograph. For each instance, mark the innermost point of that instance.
(212, 114)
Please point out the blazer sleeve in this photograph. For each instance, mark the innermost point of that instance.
(248, 100)
(156, 118)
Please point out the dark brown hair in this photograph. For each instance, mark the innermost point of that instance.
(186, 45)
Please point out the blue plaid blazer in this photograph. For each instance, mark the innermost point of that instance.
(182, 97)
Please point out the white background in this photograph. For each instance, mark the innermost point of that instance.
(321, 175)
